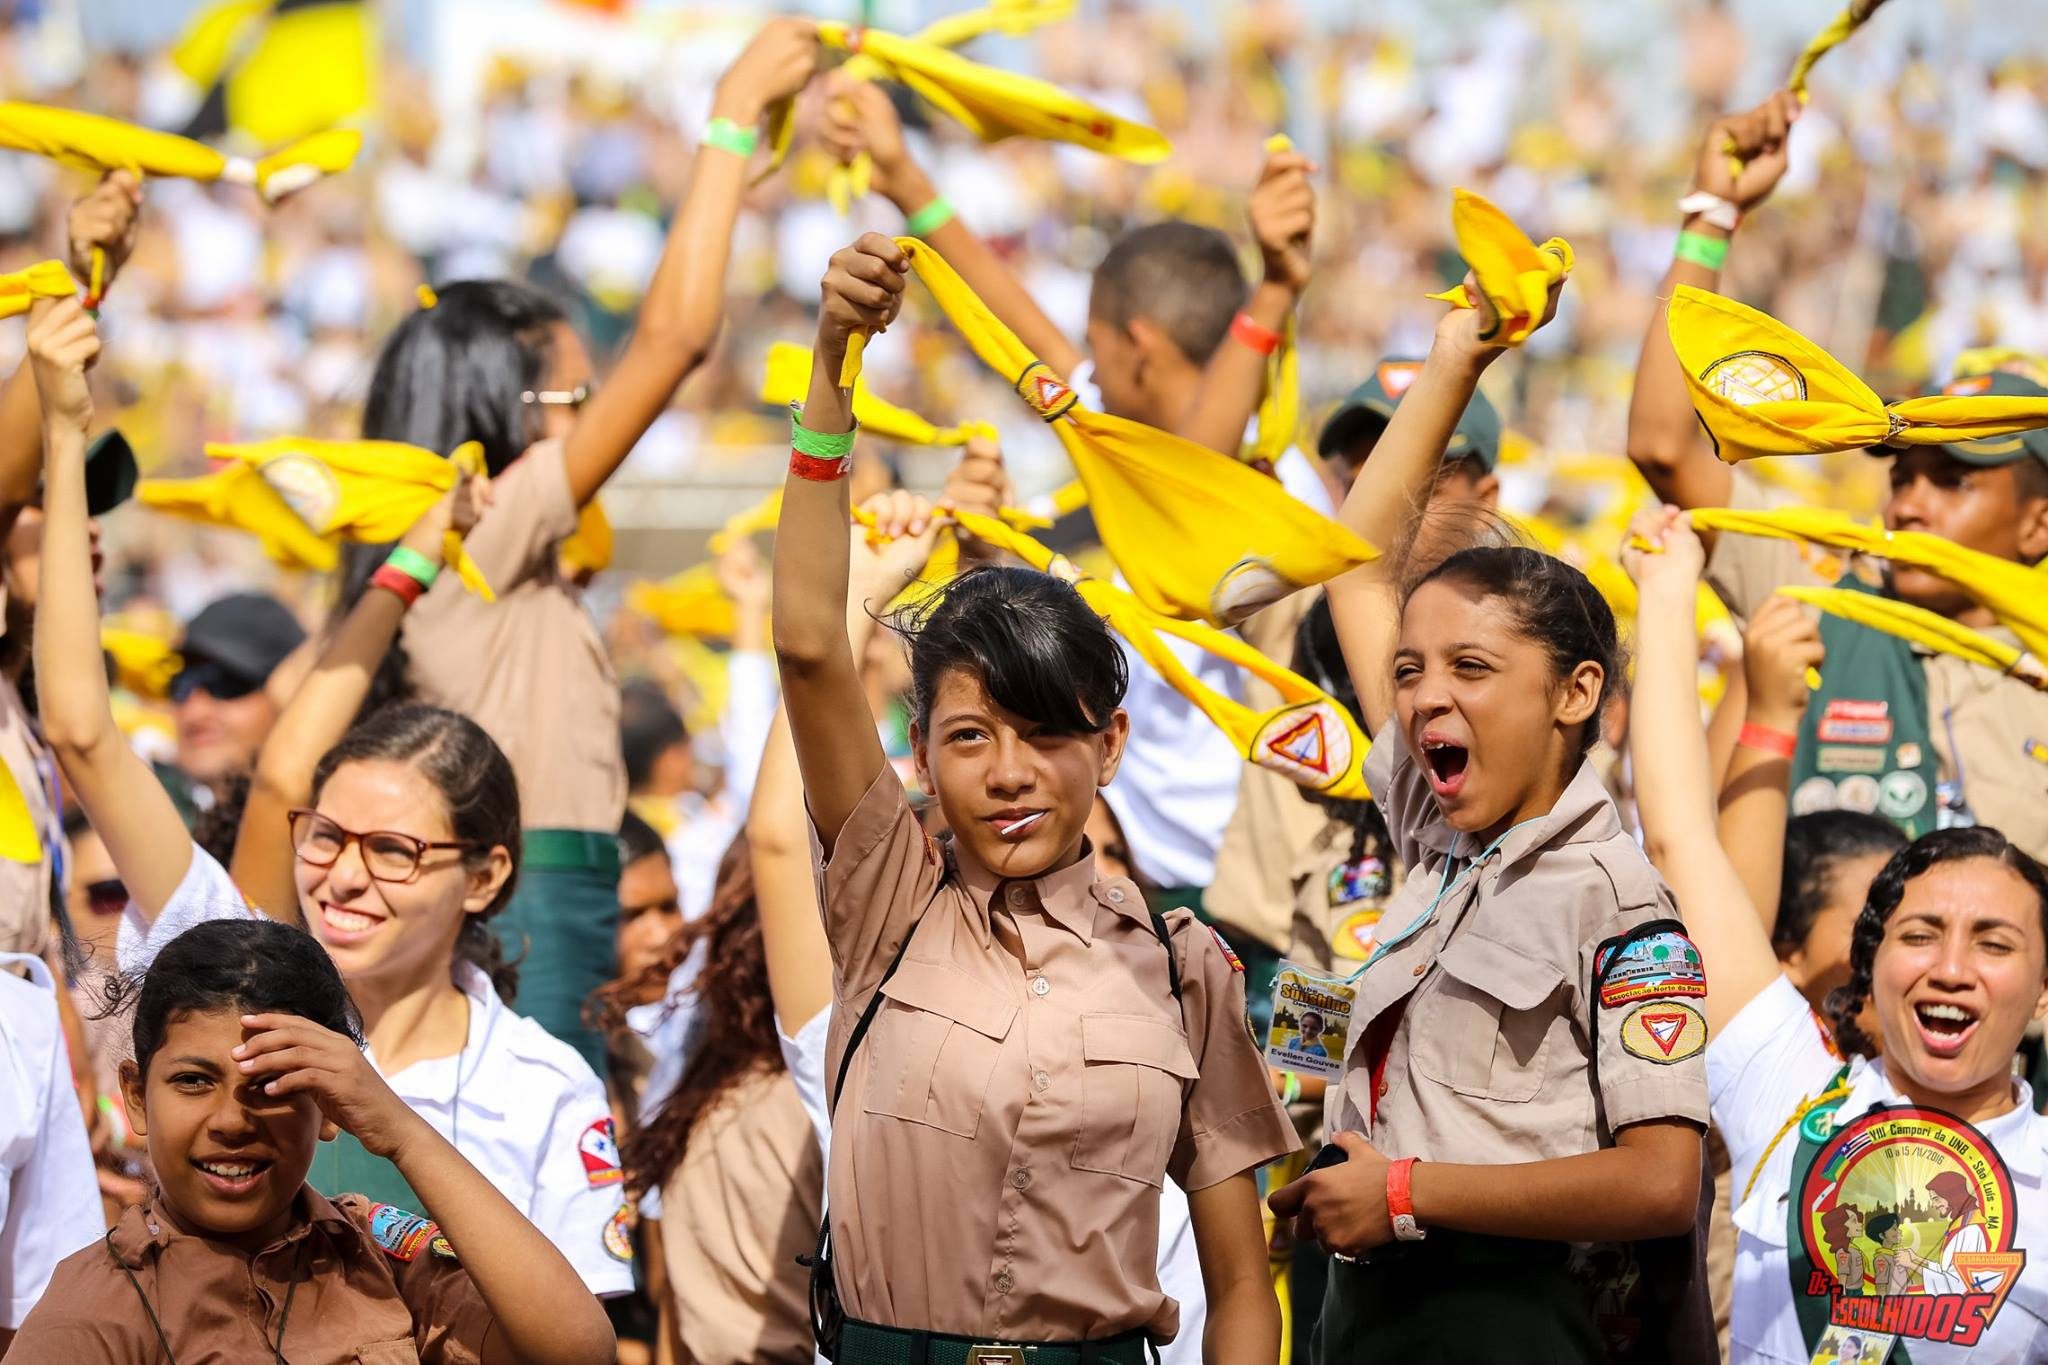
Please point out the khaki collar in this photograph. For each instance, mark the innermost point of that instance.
(145, 1228)
(1069, 897)
(1583, 811)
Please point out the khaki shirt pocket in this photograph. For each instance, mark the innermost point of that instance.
(388, 1353)
(1485, 1030)
(935, 1045)
(1132, 1088)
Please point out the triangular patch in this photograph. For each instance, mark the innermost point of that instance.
(1304, 743)
(1398, 376)
(1664, 1029)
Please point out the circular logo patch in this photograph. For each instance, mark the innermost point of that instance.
(1915, 1206)
(1751, 377)
(307, 486)
(1664, 1032)
(1901, 794)
(1355, 938)
(1814, 794)
(1365, 879)
(1310, 743)
(618, 1236)
(1246, 588)
(1857, 793)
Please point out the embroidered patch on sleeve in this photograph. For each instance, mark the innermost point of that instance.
(1658, 966)
(599, 1148)
(618, 1236)
(1229, 953)
(401, 1232)
(1664, 1032)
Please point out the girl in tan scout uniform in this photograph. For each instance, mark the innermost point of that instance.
(1022, 1051)
(1525, 1069)
(248, 1055)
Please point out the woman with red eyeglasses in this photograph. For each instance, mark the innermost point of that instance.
(392, 842)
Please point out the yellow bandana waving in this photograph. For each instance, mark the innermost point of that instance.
(43, 280)
(1513, 272)
(92, 142)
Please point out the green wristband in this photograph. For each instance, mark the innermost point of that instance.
(413, 565)
(728, 136)
(820, 445)
(930, 218)
(1710, 253)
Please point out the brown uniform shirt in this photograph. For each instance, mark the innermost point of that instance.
(742, 1205)
(1985, 726)
(1490, 1062)
(356, 1305)
(1024, 1091)
(529, 667)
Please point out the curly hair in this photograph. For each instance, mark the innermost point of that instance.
(1888, 888)
(736, 1032)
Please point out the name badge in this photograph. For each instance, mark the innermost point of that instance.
(1311, 1026)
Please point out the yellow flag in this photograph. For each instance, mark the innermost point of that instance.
(787, 379)
(239, 498)
(43, 280)
(95, 143)
(1512, 271)
(2016, 594)
(144, 662)
(589, 547)
(1309, 738)
(1763, 389)
(1919, 626)
(1198, 535)
(1838, 29)
(690, 603)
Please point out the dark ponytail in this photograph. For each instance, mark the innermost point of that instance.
(476, 785)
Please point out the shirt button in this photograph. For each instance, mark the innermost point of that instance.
(1041, 1079)
(1383, 1089)
(1040, 986)
(1003, 1282)
(1116, 894)
(1021, 1178)
(1020, 894)
(1420, 968)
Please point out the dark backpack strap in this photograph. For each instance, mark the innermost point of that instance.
(1159, 927)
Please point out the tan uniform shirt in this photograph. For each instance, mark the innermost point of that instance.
(529, 667)
(746, 1199)
(1336, 916)
(25, 925)
(1490, 1061)
(1024, 1090)
(1985, 726)
(356, 1305)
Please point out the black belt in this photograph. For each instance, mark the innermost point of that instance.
(866, 1343)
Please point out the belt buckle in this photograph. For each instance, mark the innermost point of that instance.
(995, 1355)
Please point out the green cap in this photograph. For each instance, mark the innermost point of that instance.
(1367, 409)
(1992, 450)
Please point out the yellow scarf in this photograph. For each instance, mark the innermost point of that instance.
(689, 604)
(43, 280)
(589, 547)
(788, 378)
(1917, 625)
(1839, 28)
(1511, 270)
(94, 143)
(1309, 738)
(296, 495)
(1198, 535)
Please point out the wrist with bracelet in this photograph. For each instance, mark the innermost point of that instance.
(1767, 739)
(819, 456)
(929, 219)
(1254, 335)
(406, 573)
(1401, 1200)
(730, 135)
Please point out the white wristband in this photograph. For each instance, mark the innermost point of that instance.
(1712, 209)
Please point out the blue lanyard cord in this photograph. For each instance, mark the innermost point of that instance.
(1446, 883)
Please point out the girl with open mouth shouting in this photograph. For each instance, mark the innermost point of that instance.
(1524, 1071)
(1934, 1144)
(1023, 1051)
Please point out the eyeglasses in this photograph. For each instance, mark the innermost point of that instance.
(213, 678)
(558, 398)
(388, 856)
(109, 897)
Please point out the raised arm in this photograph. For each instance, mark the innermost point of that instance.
(1782, 644)
(1385, 505)
(1664, 436)
(859, 117)
(1677, 807)
(686, 299)
(121, 796)
(320, 712)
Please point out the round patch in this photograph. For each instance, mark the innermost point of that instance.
(1812, 795)
(1664, 1032)
(1819, 1122)
(1750, 377)
(440, 1246)
(1247, 588)
(1900, 795)
(1857, 793)
(307, 486)
(1908, 755)
(1363, 880)
(1913, 1205)
(618, 1236)
(1354, 939)
(1047, 394)
(1309, 743)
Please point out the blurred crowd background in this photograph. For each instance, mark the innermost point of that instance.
(550, 140)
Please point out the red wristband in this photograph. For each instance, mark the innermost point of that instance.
(1401, 1201)
(815, 470)
(1766, 740)
(408, 588)
(1264, 340)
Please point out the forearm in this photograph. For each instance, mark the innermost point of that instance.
(76, 709)
(1664, 437)
(1394, 485)
(1234, 381)
(1666, 740)
(542, 1309)
(785, 888)
(1243, 1324)
(989, 278)
(1611, 1195)
(1230, 1243)
(1754, 808)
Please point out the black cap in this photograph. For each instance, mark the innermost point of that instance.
(247, 633)
(1371, 405)
(109, 473)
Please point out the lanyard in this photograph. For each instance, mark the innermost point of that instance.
(1446, 884)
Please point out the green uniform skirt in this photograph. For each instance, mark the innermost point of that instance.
(562, 928)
